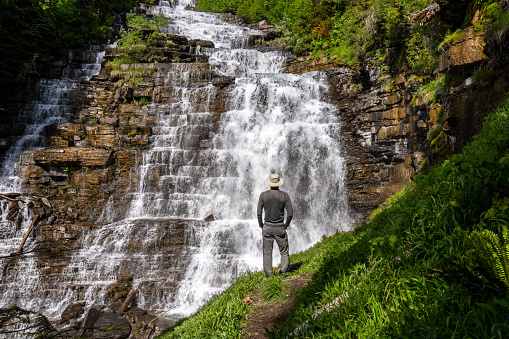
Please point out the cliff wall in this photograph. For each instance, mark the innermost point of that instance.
(393, 128)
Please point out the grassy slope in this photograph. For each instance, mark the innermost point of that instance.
(410, 272)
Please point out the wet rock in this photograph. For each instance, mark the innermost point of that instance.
(210, 218)
(72, 312)
(125, 278)
(223, 81)
(232, 18)
(117, 292)
(201, 43)
(178, 39)
(87, 326)
(111, 326)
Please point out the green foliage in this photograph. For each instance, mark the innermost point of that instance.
(143, 33)
(31, 29)
(483, 74)
(497, 26)
(137, 22)
(434, 90)
(420, 53)
(345, 30)
(221, 317)
(273, 288)
(493, 253)
(27, 323)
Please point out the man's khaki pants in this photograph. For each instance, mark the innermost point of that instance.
(279, 234)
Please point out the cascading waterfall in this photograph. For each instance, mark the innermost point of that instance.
(53, 103)
(273, 122)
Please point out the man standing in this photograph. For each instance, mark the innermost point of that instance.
(274, 202)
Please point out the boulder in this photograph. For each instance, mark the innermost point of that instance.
(111, 326)
(87, 325)
(72, 312)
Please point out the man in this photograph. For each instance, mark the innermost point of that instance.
(274, 202)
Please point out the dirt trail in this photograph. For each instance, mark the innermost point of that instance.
(268, 314)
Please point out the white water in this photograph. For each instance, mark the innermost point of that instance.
(273, 122)
(52, 104)
(53, 101)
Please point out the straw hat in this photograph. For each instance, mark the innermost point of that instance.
(274, 180)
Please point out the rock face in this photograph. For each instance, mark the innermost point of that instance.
(466, 49)
(86, 175)
(384, 134)
(111, 326)
(386, 126)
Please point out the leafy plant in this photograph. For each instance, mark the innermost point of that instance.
(493, 252)
(27, 323)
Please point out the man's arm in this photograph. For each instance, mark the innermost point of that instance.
(289, 211)
(259, 211)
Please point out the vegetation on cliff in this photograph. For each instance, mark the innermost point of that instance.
(354, 31)
(31, 30)
(432, 263)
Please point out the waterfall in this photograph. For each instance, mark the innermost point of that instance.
(201, 161)
(273, 122)
(52, 103)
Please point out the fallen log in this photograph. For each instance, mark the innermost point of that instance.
(5, 197)
(127, 301)
(426, 14)
(20, 249)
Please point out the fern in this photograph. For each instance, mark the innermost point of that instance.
(492, 252)
(30, 324)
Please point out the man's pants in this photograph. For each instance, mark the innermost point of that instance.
(269, 234)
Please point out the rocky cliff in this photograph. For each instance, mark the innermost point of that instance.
(392, 130)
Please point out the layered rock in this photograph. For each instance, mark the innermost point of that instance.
(387, 127)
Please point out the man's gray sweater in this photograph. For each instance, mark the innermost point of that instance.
(274, 202)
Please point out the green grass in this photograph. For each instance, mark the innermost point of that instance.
(434, 90)
(273, 288)
(408, 273)
(222, 316)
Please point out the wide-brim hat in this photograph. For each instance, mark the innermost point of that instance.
(275, 180)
